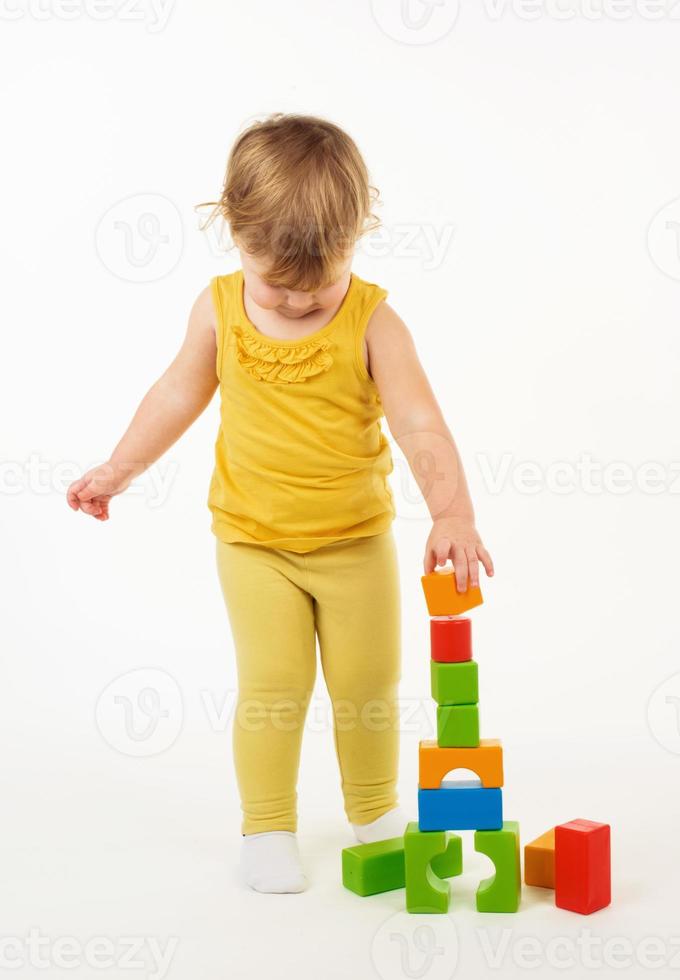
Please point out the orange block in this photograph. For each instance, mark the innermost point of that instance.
(539, 861)
(442, 597)
(485, 759)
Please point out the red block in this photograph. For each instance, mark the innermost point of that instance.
(582, 866)
(450, 639)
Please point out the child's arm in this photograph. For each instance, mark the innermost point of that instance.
(165, 413)
(418, 426)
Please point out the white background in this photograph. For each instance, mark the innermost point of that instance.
(542, 151)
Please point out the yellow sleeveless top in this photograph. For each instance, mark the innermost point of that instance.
(300, 457)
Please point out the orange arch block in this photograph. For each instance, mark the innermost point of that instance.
(434, 761)
(443, 598)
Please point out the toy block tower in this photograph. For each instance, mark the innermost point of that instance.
(572, 858)
(473, 804)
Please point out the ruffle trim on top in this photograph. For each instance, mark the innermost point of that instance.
(281, 364)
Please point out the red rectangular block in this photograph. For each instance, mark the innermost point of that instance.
(582, 866)
(450, 639)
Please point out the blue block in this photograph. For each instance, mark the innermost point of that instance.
(465, 805)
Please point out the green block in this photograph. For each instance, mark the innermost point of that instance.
(502, 891)
(454, 683)
(427, 855)
(449, 863)
(371, 868)
(458, 726)
(368, 869)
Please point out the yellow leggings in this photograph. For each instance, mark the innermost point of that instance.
(277, 602)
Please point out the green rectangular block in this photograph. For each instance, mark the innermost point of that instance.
(369, 869)
(454, 683)
(458, 726)
(503, 890)
(429, 856)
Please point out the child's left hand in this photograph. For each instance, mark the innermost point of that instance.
(456, 538)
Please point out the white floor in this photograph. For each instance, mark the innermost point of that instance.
(114, 866)
(528, 167)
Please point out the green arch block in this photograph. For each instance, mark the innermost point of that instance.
(428, 855)
(502, 891)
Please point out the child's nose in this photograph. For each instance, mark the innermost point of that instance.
(299, 301)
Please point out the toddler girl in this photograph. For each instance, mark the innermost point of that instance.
(307, 357)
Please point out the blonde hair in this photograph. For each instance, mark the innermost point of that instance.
(297, 192)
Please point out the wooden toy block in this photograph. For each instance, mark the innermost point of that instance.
(582, 866)
(502, 891)
(458, 726)
(369, 869)
(454, 683)
(435, 761)
(539, 861)
(450, 639)
(442, 596)
(426, 857)
(464, 805)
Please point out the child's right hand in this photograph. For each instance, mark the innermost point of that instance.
(92, 492)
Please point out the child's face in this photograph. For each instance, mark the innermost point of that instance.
(292, 304)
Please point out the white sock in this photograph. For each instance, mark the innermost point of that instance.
(270, 862)
(391, 824)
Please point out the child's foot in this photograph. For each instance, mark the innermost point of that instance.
(270, 862)
(390, 824)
